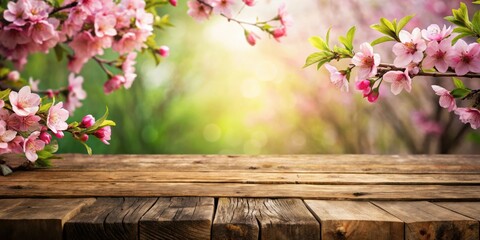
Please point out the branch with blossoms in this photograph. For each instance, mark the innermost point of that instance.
(434, 52)
(276, 27)
(80, 31)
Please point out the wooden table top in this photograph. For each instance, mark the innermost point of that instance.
(244, 197)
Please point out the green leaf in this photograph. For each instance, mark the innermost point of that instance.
(476, 2)
(381, 40)
(43, 162)
(403, 22)
(52, 147)
(5, 170)
(384, 30)
(321, 63)
(314, 58)
(45, 107)
(462, 30)
(4, 72)
(460, 36)
(387, 24)
(453, 20)
(43, 155)
(327, 38)
(318, 43)
(5, 93)
(476, 22)
(474, 136)
(460, 92)
(107, 123)
(458, 83)
(89, 150)
(351, 34)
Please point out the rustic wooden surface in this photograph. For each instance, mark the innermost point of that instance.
(244, 197)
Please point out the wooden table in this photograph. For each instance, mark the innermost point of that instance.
(244, 197)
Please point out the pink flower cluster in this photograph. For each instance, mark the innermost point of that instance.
(201, 10)
(28, 28)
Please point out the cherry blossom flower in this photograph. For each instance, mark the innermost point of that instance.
(11, 36)
(198, 11)
(38, 10)
(41, 31)
(129, 70)
(222, 7)
(90, 6)
(464, 57)
(56, 118)
(5, 136)
(87, 121)
(338, 79)
(45, 137)
(113, 84)
(446, 99)
(367, 61)
(249, 3)
(17, 12)
(104, 134)
(105, 25)
(31, 145)
(434, 33)
(251, 37)
(279, 33)
(144, 20)
(399, 80)
(13, 76)
(24, 102)
(127, 43)
(285, 19)
(24, 123)
(364, 86)
(410, 49)
(75, 93)
(469, 115)
(436, 55)
(16, 145)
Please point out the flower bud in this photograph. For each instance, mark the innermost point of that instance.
(104, 134)
(249, 3)
(45, 137)
(113, 84)
(173, 2)
(50, 93)
(84, 138)
(87, 121)
(373, 96)
(279, 32)
(59, 134)
(250, 36)
(13, 76)
(164, 51)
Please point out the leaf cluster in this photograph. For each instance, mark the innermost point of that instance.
(465, 27)
(326, 53)
(390, 29)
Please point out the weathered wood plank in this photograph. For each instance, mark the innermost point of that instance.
(178, 218)
(34, 218)
(109, 218)
(291, 163)
(249, 176)
(235, 219)
(355, 221)
(307, 191)
(251, 218)
(469, 209)
(426, 220)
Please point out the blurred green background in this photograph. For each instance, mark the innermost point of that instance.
(216, 94)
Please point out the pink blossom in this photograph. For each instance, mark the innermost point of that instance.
(11, 36)
(127, 43)
(24, 102)
(41, 31)
(198, 11)
(87, 121)
(38, 10)
(338, 78)
(464, 57)
(285, 19)
(24, 123)
(45, 137)
(129, 69)
(75, 64)
(373, 96)
(75, 93)
(90, 6)
(446, 99)
(469, 115)
(56, 118)
(251, 37)
(113, 84)
(31, 145)
(17, 12)
(59, 134)
(410, 49)
(249, 3)
(399, 81)
(223, 7)
(164, 51)
(5, 136)
(104, 134)
(13, 76)
(434, 33)
(105, 25)
(279, 32)
(33, 84)
(367, 61)
(144, 20)
(173, 2)
(16, 145)
(364, 86)
(81, 45)
(436, 55)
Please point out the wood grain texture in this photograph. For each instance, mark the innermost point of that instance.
(109, 218)
(251, 218)
(424, 220)
(469, 209)
(178, 218)
(249, 176)
(32, 218)
(290, 163)
(306, 191)
(355, 221)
